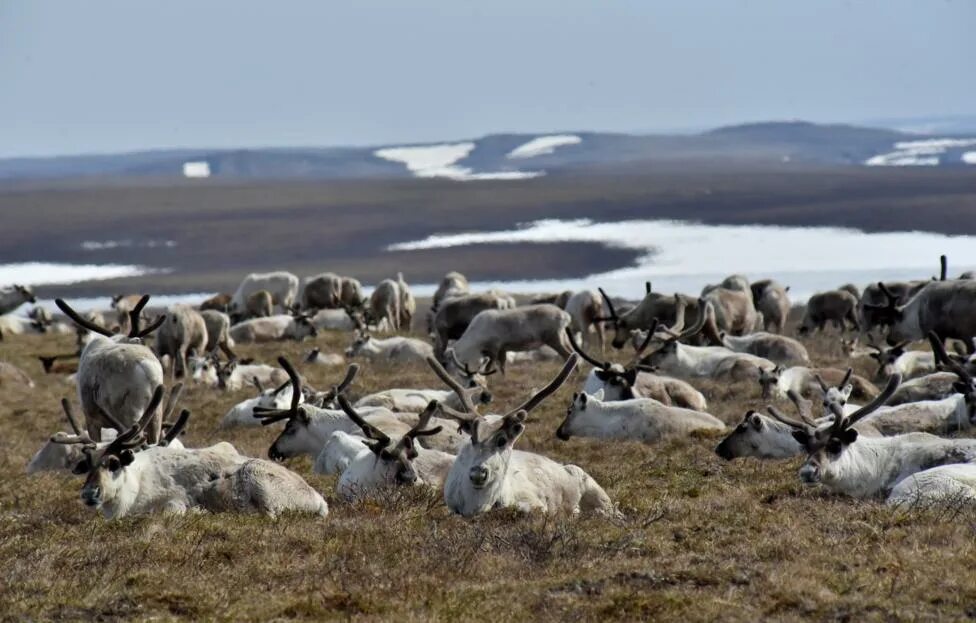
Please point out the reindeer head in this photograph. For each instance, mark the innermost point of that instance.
(890, 314)
(135, 334)
(825, 445)
(746, 439)
(620, 322)
(966, 385)
(768, 378)
(360, 342)
(105, 467)
(838, 395)
(669, 348)
(26, 293)
(295, 439)
(463, 372)
(576, 409)
(394, 460)
(303, 327)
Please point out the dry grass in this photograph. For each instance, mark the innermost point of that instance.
(702, 540)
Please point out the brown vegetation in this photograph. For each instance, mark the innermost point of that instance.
(703, 539)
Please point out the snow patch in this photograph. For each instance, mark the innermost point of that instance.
(544, 145)
(47, 273)
(95, 245)
(197, 170)
(924, 152)
(969, 157)
(439, 161)
(682, 256)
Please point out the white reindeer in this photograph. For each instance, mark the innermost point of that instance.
(638, 419)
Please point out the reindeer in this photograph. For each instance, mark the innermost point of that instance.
(218, 332)
(638, 419)
(634, 380)
(585, 308)
(835, 306)
(489, 473)
(184, 333)
(217, 302)
(493, 333)
(781, 350)
(945, 307)
(318, 358)
(408, 304)
(682, 360)
(386, 462)
(117, 374)
(869, 466)
(12, 297)
(734, 310)
(654, 307)
(384, 304)
(242, 414)
(127, 478)
(392, 349)
(308, 428)
(559, 299)
(282, 285)
(453, 284)
(944, 487)
(275, 328)
(773, 302)
(908, 363)
(808, 381)
(451, 318)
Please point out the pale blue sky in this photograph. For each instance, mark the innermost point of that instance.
(98, 76)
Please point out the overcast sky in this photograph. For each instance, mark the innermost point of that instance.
(99, 76)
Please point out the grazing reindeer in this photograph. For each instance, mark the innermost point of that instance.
(836, 306)
(184, 333)
(453, 315)
(773, 302)
(282, 285)
(408, 304)
(117, 374)
(585, 308)
(734, 310)
(14, 296)
(870, 466)
(494, 333)
(384, 304)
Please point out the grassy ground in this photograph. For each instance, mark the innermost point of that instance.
(703, 539)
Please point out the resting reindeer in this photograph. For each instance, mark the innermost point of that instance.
(385, 462)
(638, 419)
(945, 487)
(117, 374)
(869, 466)
(417, 400)
(778, 381)
(493, 333)
(716, 362)
(128, 478)
(54, 456)
(895, 359)
(273, 328)
(242, 414)
(308, 428)
(395, 349)
(619, 382)
(779, 349)
(489, 473)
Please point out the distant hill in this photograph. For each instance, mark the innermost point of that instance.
(514, 156)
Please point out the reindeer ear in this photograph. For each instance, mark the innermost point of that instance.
(81, 467)
(849, 436)
(802, 437)
(849, 389)
(126, 457)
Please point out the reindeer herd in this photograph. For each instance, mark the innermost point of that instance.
(901, 435)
